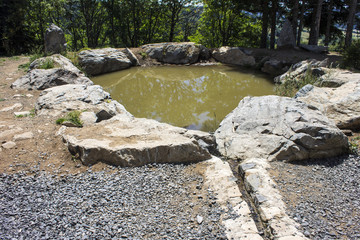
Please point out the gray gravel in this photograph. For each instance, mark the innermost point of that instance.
(323, 196)
(150, 202)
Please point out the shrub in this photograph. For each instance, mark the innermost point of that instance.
(48, 63)
(351, 56)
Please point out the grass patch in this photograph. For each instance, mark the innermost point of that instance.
(291, 86)
(48, 63)
(73, 117)
(2, 99)
(33, 57)
(354, 144)
(143, 55)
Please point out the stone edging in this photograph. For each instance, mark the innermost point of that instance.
(236, 215)
(268, 200)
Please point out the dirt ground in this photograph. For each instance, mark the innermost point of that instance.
(44, 151)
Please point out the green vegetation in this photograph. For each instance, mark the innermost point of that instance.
(132, 23)
(291, 86)
(2, 99)
(143, 55)
(351, 56)
(73, 117)
(354, 145)
(48, 63)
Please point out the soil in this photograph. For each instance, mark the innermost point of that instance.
(45, 150)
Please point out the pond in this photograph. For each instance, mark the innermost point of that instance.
(194, 97)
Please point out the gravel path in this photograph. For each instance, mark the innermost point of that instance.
(150, 202)
(322, 196)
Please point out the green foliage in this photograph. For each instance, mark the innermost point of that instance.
(143, 55)
(48, 63)
(351, 56)
(73, 117)
(33, 57)
(221, 24)
(291, 86)
(354, 145)
(2, 99)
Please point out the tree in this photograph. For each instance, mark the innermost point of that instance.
(315, 23)
(350, 22)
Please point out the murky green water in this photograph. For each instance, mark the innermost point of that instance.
(195, 97)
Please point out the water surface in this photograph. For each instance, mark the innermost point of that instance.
(195, 97)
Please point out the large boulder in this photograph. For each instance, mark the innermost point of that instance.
(136, 142)
(100, 61)
(233, 55)
(299, 70)
(64, 72)
(341, 104)
(58, 60)
(57, 100)
(54, 40)
(286, 38)
(278, 128)
(46, 78)
(176, 53)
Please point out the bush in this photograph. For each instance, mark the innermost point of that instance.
(351, 56)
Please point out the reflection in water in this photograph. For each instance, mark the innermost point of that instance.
(196, 97)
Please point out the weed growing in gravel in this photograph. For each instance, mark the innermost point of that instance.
(143, 55)
(73, 117)
(354, 145)
(2, 99)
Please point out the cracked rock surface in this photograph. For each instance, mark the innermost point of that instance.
(278, 128)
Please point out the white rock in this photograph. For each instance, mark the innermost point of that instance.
(23, 136)
(11, 108)
(9, 145)
(233, 55)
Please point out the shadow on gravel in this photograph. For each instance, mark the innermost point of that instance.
(326, 162)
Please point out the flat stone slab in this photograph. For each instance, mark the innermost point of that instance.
(236, 216)
(136, 142)
(268, 199)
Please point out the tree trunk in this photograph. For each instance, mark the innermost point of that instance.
(350, 23)
(295, 13)
(274, 9)
(315, 25)
(328, 22)
(265, 24)
(301, 24)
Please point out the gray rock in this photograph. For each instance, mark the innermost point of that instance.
(273, 67)
(278, 128)
(341, 104)
(41, 79)
(287, 37)
(100, 61)
(71, 97)
(176, 53)
(299, 70)
(22, 114)
(135, 142)
(314, 48)
(59, 62)
(54, 40)
(233, 55)
(131, 56)
(88, 118)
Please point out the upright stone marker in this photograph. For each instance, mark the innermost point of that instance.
(54, 40)
(286, 38)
